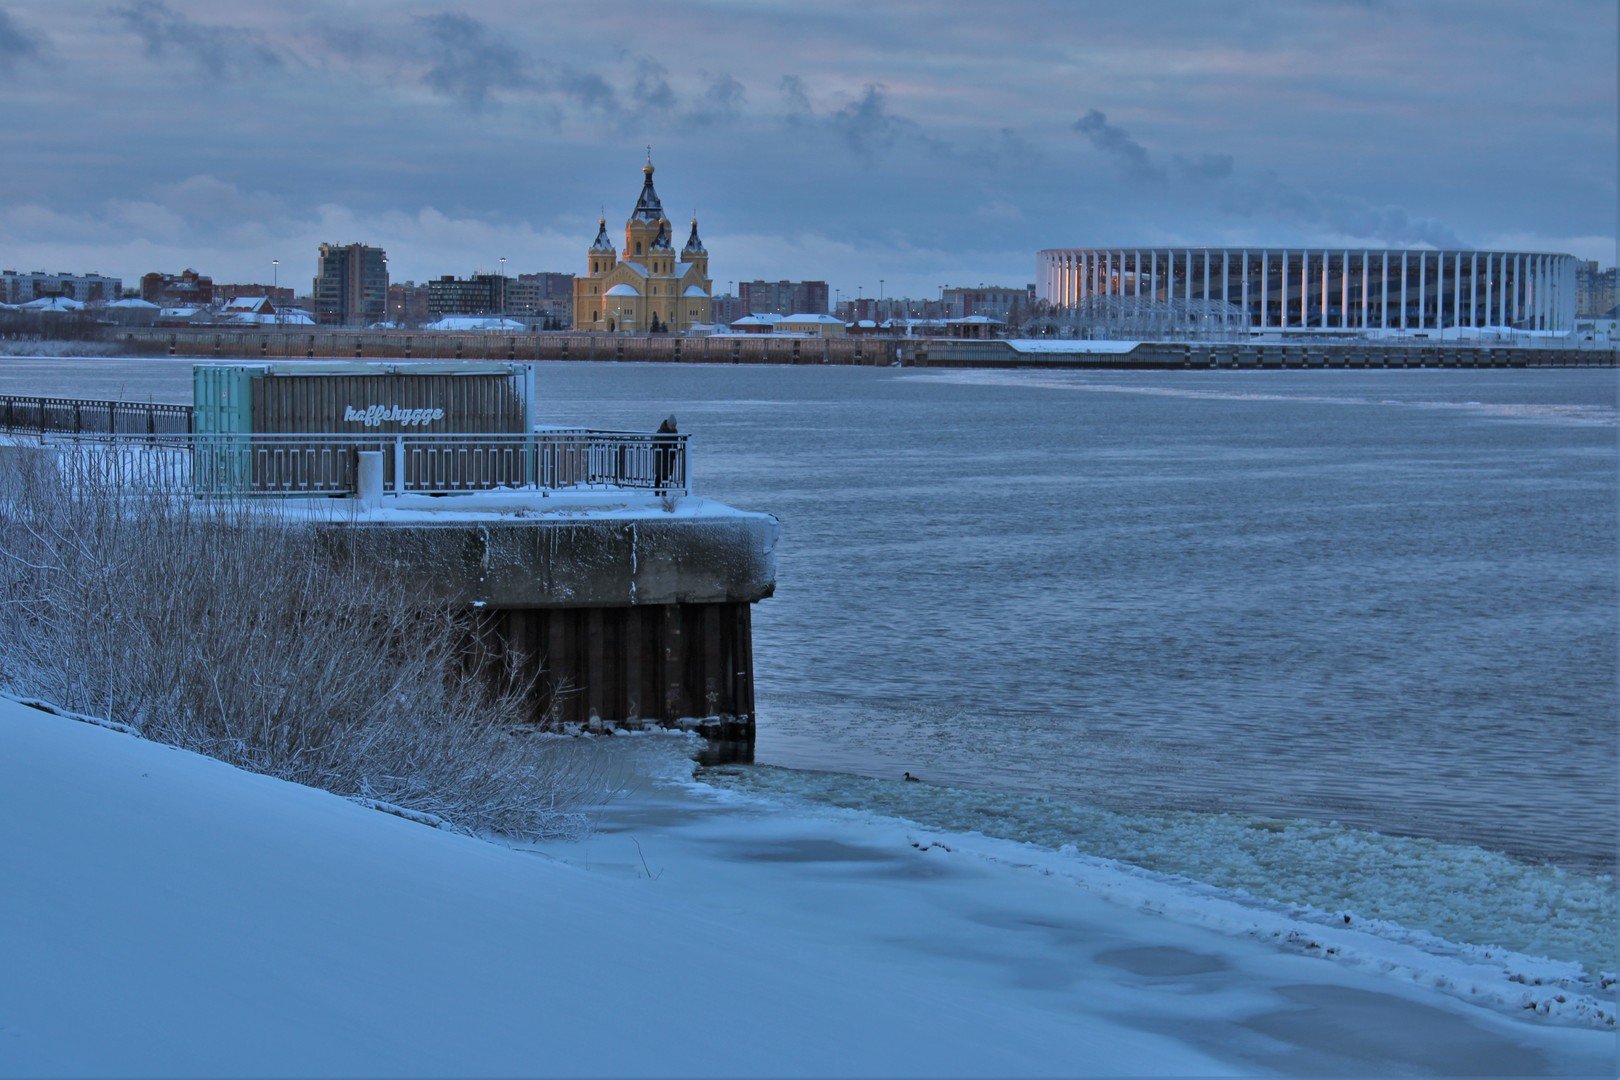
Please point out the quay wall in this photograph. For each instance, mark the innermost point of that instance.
(326, 343)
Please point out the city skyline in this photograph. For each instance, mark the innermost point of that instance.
(902, 143)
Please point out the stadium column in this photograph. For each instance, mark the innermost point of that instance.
(1282, 293)
(1243, 288)
(1205, 297)
(1305, 288)
(1423, 287)
(1403, 290)
(1502, 290)
(1136, 273)
(1473, 288)
(1265, 288)
(1439, 290)
(1226, 277)
(1326, 319)
(1383, 302)
(1187, 273)
(1521, 298)
(1344, 290)
(1366, 266)
(1457, 289)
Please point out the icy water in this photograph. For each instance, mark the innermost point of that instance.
(1336, 639)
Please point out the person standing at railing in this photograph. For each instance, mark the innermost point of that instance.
(665, 447)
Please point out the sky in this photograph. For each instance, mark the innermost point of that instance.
(878, 146)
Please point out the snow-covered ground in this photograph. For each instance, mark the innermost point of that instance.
(162, 913)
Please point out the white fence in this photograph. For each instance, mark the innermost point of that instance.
(326, 464)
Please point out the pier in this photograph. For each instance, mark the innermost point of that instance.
(583, 555)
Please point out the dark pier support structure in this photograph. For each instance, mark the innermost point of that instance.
(616, 620)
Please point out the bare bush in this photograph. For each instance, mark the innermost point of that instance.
(276, 643)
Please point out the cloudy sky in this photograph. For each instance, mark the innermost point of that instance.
(921, 143)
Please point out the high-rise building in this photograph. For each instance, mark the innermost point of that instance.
(481, 294)
(783, 297)
(1594, 290)
(18, 288)
(351, 285)
(408, 303)
(996, 301)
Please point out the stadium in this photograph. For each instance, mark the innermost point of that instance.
(1424, 291)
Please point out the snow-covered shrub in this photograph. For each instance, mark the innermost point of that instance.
(230, 628)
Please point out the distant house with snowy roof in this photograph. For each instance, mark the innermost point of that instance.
(262, 311)
(57, 304)
(755, 324)
(474, 323)
(812, 325)
(974, 326)
(132, 312)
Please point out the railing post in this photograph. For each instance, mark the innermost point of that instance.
(399, 464)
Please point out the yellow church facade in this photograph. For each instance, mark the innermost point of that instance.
(645, 287)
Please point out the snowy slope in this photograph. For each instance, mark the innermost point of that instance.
(162, 913)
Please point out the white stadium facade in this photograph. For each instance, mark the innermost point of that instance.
(1311, 290)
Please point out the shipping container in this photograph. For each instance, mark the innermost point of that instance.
(364, 398)
(266, 420)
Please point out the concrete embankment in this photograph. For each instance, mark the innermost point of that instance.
(272, 344)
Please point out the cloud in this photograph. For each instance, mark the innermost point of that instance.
(866, 124)
(1130, 156)
(1346, 218)
(218, 50)
(1203, 167)
(17, 45)
(722, 100)
(794, 97)
(586, 88)
(652, 92)
(466, 61)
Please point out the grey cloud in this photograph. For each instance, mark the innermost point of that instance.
(467, 61)
(1129, 155)
(1344, 215)
(794, 97)
(867, 125)
(16, 44)
(652, 89)
(1203, 167)
(218, 50)
(722, 100)
(586, 88)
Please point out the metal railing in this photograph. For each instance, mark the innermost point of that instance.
(327, 464)
(45, 415)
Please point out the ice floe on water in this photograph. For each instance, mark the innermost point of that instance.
(1512, 925)
(1138, 384)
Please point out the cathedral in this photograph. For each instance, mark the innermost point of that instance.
(643, 288)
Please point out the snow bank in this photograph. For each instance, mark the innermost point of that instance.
(169, 914)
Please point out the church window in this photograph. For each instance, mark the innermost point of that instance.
(638, 247)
